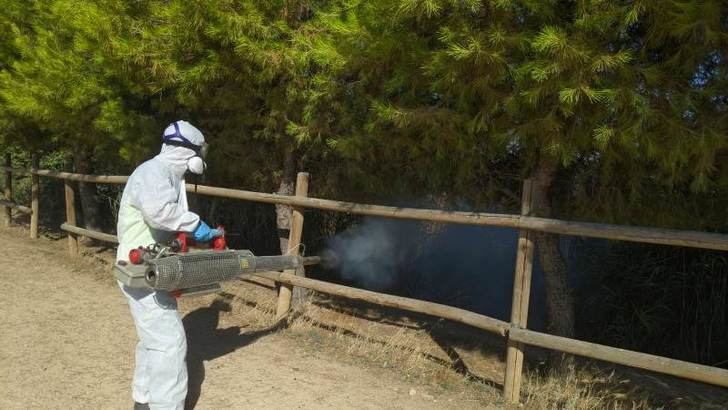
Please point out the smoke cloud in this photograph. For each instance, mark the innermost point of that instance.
(465, 266)
(370, 254)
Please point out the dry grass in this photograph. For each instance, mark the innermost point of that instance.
(406, 348)
(409, 349)
(403, 345)
(580, 389)
(413, 352)
(446, 357)
(372, 337)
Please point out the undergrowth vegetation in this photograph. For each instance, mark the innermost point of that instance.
(657, 299)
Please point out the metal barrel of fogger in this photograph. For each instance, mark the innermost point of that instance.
(204, 268)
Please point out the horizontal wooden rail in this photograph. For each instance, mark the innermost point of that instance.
(679, 368)
(102, 179)
(658, 236)
(674, 237)
(413, 305)
(262, 282)
(436, 215)
(88, 233)
(16, 206)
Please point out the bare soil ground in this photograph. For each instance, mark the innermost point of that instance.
(67, 341)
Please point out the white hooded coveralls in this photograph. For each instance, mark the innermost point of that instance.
(153, 207)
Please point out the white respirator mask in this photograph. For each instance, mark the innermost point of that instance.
(196, 165)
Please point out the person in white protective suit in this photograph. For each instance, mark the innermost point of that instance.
(153, 209)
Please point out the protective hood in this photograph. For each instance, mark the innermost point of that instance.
(183, 148)
(183, 131)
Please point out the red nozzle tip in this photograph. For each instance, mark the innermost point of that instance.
(136, 256)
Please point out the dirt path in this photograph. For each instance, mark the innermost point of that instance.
(67, 339)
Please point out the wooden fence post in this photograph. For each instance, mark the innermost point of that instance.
(34, 192)
(285, 291)
(8, 190)
(71, 215)
(519, 308)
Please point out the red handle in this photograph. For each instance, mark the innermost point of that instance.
(182, 238)
(219, 243)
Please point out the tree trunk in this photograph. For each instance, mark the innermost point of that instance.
(286, 187)
(559, 301)
(90, 207)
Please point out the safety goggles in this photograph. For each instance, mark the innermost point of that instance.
(200, 150)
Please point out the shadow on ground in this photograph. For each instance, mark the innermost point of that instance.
(206, 342)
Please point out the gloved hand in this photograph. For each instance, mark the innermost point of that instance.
(203, 233)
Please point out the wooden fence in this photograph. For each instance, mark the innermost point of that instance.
(515, 331)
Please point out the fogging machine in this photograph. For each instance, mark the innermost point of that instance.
(183, 270)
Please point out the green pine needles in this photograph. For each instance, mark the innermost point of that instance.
(409, 97)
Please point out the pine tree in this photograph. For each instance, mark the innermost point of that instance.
(577, 92)
(65, 85)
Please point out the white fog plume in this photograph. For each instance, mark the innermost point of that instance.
(370, 253)
(465, 266)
